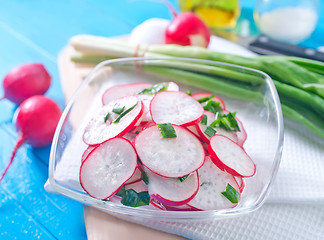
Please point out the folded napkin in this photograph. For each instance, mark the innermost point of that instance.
(293, 210)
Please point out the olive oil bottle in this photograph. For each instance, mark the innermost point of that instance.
(221, 14)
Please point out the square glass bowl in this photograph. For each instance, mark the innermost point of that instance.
(248, 92)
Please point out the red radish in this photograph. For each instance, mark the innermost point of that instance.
(130, 136)
(155, 203)
(172, 86)
(100, 129)
(193, 130)
(172, 191)
(135, 178)
(187, 29)
(201, 128)
(86, 152)
(215, 98)
(240, 183)
(230, 156)
(36, 121)
(25, 81)
(124, 90)
(241, 135)
(108, 167)
(171, 157)
(212, 182)
(138, 186)
(175, 107)
(184, 207)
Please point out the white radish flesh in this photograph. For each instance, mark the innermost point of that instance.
(172, 191)
(212, 182)
(231, 157)
(108, 167)
(201, 128)
(176, 108)
(124, 90)
(135, 178)
(240, 183)
(98, 131)
(241, 135)
(172, 157)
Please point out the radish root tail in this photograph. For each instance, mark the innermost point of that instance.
(20, 142)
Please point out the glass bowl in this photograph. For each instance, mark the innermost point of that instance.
(248, 92)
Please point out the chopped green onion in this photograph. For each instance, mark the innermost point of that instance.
(205, 99)
(183, 178)
(204, 120)
(118, 109)
(124, 113)
(226, 121)
(137, 132)
(212, 106)
(210, 131)
(145, 178)
(231, 194)
(121, 192)
(167, 130)
(107, 117)
(133, 199)
(154, 89)
(189, 92)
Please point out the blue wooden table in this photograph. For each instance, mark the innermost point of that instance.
(36, 31)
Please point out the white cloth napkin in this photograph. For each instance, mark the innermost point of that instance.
(294, 209)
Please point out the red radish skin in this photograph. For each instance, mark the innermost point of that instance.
(97, 131)
(187, 29)
(124, 90)
(231, 157)
(215, 98)
(86, 152)
(175, 107)
(172, 157)
(135, 178)
(25, 81)
(240, 183)
(171, 191)
(37, 118)
(108, 167)
(212, 182)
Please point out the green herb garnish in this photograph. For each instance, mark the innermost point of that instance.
(210, 131)
(154, 89)
(189, 92)
(167, 130)
(118, 109)
(107, 117)
(212, 106)
(226, 121)
(133, 199)
(205, 99)
(124, 113)
(145, 178)
(204, 120)
(183, 178)
(231, 194)
(121, 192)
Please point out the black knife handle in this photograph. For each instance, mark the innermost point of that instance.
(266, 46)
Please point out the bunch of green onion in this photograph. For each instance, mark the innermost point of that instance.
(299, 82)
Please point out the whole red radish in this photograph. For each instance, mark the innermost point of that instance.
(187, 29)
(37, 118)
(25, 81)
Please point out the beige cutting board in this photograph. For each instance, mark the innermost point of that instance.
(100, 225)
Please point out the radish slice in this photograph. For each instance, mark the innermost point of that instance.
(138, 186)
(240, 183)
(108, 167)
(172, 86)
(86, 152)
(172, 157)
(230, 156)
(212, 182)
(124, 90)
(241, 135)
(201, 128)
(193, 130)
(98, 131)
(155, 203)
(184, 207)
(135, 178)
(176, 108)
(215, 98)
(172, 191)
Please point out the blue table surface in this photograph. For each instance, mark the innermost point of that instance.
(36, 31)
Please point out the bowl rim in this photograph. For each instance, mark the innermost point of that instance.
(167, 215)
